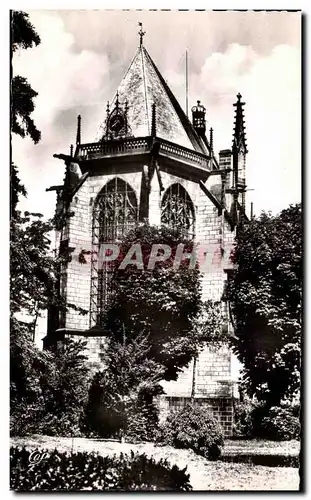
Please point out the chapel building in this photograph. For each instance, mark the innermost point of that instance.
(150, 162)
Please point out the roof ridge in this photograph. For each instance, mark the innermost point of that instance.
(183, 119)
(144, 81)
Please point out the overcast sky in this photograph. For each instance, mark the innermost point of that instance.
(83, 56)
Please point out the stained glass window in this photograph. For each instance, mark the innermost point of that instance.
(177, 210)
(115, 213)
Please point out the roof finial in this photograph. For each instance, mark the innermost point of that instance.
(141, 34)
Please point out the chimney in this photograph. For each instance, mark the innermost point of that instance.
(225, 163)
(198, 118)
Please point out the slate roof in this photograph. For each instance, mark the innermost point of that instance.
(143, 85)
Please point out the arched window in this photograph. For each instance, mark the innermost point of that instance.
(115, 213)
(177, 210)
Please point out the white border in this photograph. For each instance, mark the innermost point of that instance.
(4, 198)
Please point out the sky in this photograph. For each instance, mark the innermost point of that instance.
(83, 56)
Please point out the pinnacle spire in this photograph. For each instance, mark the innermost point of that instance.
(211, 141)
(239, 136)
(78, 138)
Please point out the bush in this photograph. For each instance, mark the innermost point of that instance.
(109, 415)
(243, 418)
(53, 399)
(92, 472)
(254, 419)
(193, 427)
(141, 420)
(281, 423)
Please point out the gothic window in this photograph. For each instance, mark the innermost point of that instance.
(177, 210)
(115, 213)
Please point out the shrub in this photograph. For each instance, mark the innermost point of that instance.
(243, 418)
(281, 423)
(92, 472)
(141, 421)
(118, 409)
(52, 399)
(195, 428)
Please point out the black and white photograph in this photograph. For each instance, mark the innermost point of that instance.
(155, 250)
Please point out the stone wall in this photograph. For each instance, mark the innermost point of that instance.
(213, 367)
(221, 408)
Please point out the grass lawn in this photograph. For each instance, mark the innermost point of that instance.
(204, 475)
(261, 447)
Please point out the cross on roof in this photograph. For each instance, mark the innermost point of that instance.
(141, 33)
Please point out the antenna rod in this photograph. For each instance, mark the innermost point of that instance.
(187, 83)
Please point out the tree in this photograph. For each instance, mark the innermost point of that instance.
(65, 389)
(23, 36)
(42, 384)
(32, 266)
(29, 266)
(156, 323)
(22, 107)
(27, 366)
(160, 304)
(121, 396)
(17, 189)
(265, 294)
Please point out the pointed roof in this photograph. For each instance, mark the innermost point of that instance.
(142, 86)
(239, 136)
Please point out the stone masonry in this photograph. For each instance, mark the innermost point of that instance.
(215, 192)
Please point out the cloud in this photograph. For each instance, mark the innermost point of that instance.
(84, 54)
(64, 80)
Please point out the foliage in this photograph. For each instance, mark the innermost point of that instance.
(48, 390)
(253, 419)
(121, 396)
(160, 304)
(195, 428)
(265, 295)
(279, 423)
(35, 376)
(22, 106)
(156, 322)
(17, 189)
(24, 36)
(242, 418)
(65, 389)
(89, 472)
(209, 324)
(32, 266)
(27, 366)
(103, 414)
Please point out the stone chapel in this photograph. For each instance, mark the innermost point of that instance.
(151, 162)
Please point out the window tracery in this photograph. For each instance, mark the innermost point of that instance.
(177, 210)
(115, 213)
